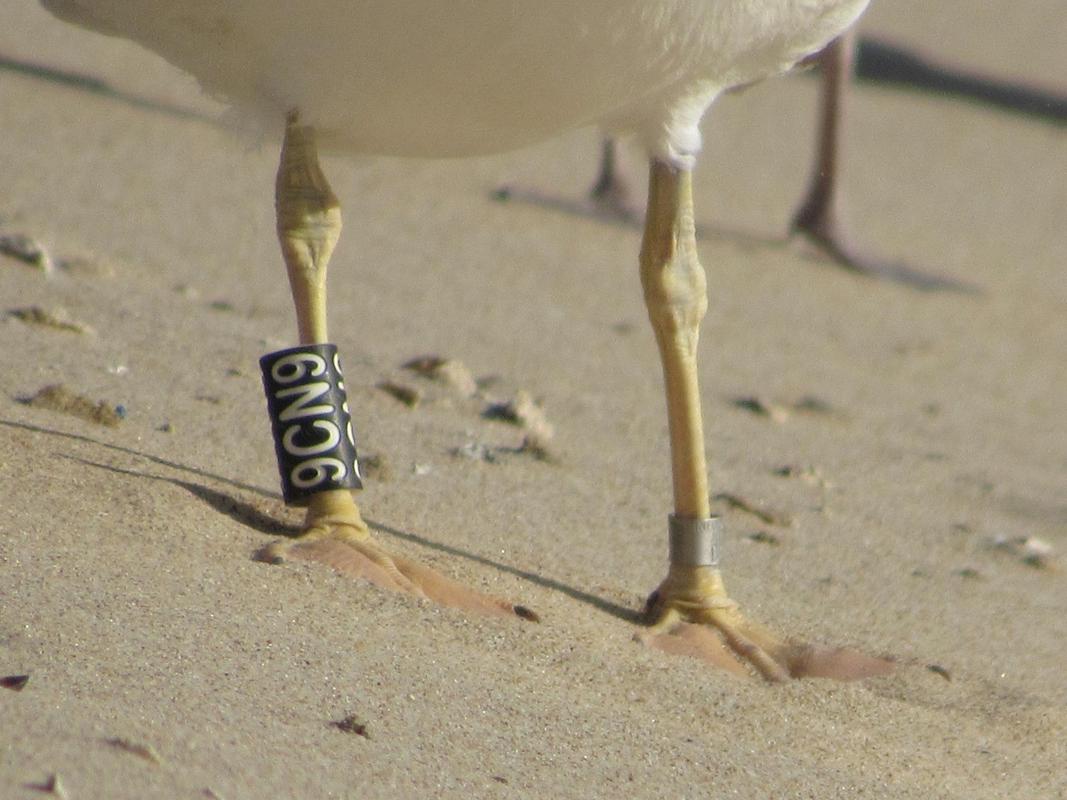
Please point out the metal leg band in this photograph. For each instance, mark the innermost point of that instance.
(695, 542)
(309, 417)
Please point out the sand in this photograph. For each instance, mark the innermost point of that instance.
(164, 662)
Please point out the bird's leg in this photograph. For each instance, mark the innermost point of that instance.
(675, 295)
(819, 217)
(691, 612)
(611, 192)
(309, 224)
(334, 532)
(818, 214)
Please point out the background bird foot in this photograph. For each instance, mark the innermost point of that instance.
(826, 237)
(611, 197)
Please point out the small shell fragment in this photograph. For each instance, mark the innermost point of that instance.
(408, 395)
(53, 786)
(56, 319)
(937, 669)
(762, 408)
(767, 515)
(527, 414)
(810, 404)
(27, 250)
(352, 724)
(15, 682)
(448, 371)
(475, 451)
(57, 397)
(145, 751)
(809, 474)
(1031, 550)
(764, 537)
(528, 614)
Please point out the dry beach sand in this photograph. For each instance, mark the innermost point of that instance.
(923, 433)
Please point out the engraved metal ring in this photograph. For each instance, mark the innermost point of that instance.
(695, 542)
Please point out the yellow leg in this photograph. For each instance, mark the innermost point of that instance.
(334, 533)
(676, 297)
(691, 612)
(309, 224)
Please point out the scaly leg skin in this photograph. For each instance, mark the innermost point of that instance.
(693, 593)
(334, 532)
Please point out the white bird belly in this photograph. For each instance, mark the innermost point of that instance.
(464, 77)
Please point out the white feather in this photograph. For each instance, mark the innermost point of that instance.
(464, 77)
